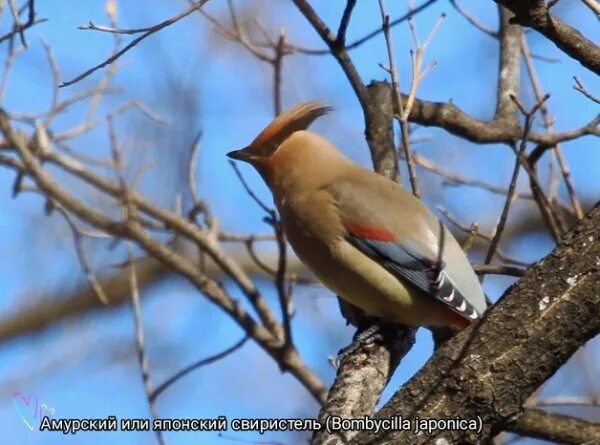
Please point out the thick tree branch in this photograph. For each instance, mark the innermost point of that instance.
(45, 313)
(448, 116)
(535, 14)
(361, 378)
(491, 368)
(379, 129)
(509, 72)
(374, 102)
(555, 427)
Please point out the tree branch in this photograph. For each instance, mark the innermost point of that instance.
(62, 306)
(509, 72)
(491, 368)
(147, 32)
(268, 335)
(361, 378)
(535, 14)
(555, 427)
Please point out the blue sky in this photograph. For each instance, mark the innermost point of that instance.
(195, 80)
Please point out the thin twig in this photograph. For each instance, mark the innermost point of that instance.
(55, 70)
(510, 197)
(281, 285)
(199, 364)
(548, 124)
(139, 341)
(13, 53)
(471, 235)
(198, 204)
(277, 68)
(249, 243)
(237, 238)
(499, 269)
(280, 278)
(399, 103)
(134, 42)
(579, 87)
(345, 21)
(473, 20)
(321, 52)
(250, 192)
(563, 401)
(499, 253)
(453, 179)
(85, 265)
(513, 182)
(20, 28)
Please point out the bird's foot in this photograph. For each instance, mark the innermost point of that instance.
(371, 334)
(392, 335)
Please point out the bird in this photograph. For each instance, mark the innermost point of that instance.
(364, 236)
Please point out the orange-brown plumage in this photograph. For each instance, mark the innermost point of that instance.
(364, 236)
(294, 119)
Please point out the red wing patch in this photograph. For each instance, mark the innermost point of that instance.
(370, 233)
(458, 319)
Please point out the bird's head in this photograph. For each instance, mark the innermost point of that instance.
(279, 146)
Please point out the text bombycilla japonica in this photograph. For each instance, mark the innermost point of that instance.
(364, 236)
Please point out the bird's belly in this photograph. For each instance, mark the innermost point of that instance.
(364, 283)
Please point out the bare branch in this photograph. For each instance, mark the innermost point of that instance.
(579, 87)
(593, 5)
(509, 71)
(550, 128)
(403, 111)
(339, 52)
(139, 342)
(268, 336)
(473, 20)
(555, 427)
(322, 52)
(146, 33)
(199, 364)
(89, 274)
(503, 359)
(20, 28)
(345, 21)
(513, 183)
(499, 253)
(361, 378)
(280, 274)
(497, 269)
(535, 14)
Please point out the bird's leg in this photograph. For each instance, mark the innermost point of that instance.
(361, 338)
(376, 330)
(397, 338)
(369, 330)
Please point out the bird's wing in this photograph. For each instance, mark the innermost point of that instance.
(379, 217)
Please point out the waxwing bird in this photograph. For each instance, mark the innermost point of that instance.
(364, 236)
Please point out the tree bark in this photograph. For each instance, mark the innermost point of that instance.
(487, 371)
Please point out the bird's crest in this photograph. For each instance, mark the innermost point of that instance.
(296, 118)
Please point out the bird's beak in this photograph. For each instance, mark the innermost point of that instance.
(240, 155)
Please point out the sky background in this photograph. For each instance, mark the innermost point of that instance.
(196, 80)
